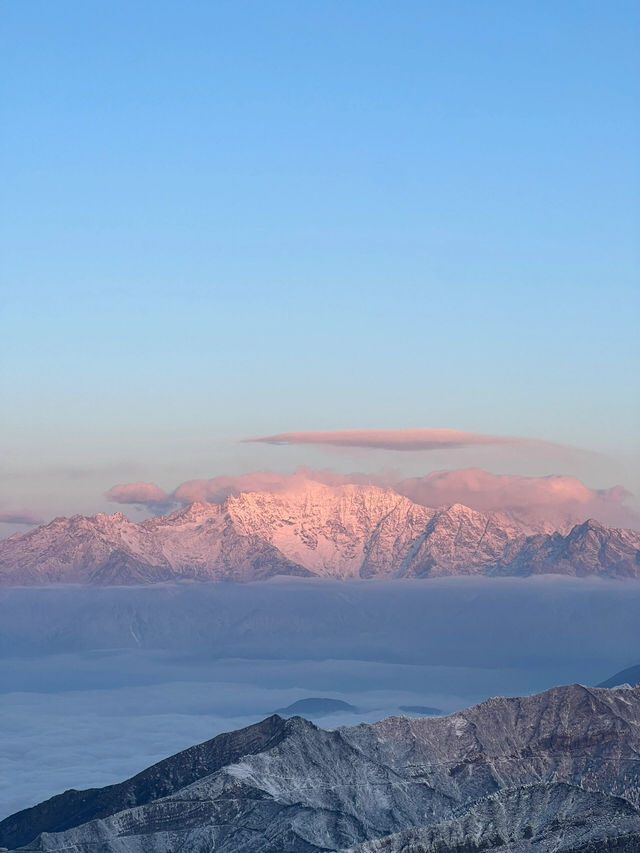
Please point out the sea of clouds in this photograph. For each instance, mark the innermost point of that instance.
(96, 684)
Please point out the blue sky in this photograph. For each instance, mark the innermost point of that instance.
(240, 218)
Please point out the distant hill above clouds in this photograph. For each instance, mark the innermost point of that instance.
(316, 707)
(310, 530)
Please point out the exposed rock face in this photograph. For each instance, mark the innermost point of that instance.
(556, 771)
(313, 530)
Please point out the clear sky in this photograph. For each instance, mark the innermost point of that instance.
(227, 219)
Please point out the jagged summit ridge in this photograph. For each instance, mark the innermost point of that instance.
(314, 530)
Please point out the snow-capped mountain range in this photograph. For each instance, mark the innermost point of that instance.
(312, 530)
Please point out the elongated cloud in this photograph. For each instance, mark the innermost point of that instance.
(398, 439)
(19, 516)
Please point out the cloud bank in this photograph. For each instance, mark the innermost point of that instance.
(557, 498)
(398, 439)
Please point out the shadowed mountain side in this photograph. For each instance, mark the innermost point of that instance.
(498, 622)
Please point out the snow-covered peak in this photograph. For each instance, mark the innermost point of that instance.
(309, 528)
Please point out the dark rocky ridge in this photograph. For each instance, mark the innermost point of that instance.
(161, 780)
(559, 769)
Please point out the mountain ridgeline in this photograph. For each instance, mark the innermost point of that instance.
(555, 771)
(346, 531)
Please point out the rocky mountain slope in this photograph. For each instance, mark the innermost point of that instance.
(542, 817)
(314, 530)
(555, 771)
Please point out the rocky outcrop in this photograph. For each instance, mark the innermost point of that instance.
(558, 770)
(313, 530)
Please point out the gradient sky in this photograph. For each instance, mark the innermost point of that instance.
(228, 219)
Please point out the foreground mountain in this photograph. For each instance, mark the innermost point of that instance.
(311, 531)
(555, 771)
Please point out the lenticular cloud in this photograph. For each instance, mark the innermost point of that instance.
(398, 439)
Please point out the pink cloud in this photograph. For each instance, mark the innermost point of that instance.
(137, 493)
(216, 489)
(19, 516)
(554, 497)
(398, 439)
(557, 498)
